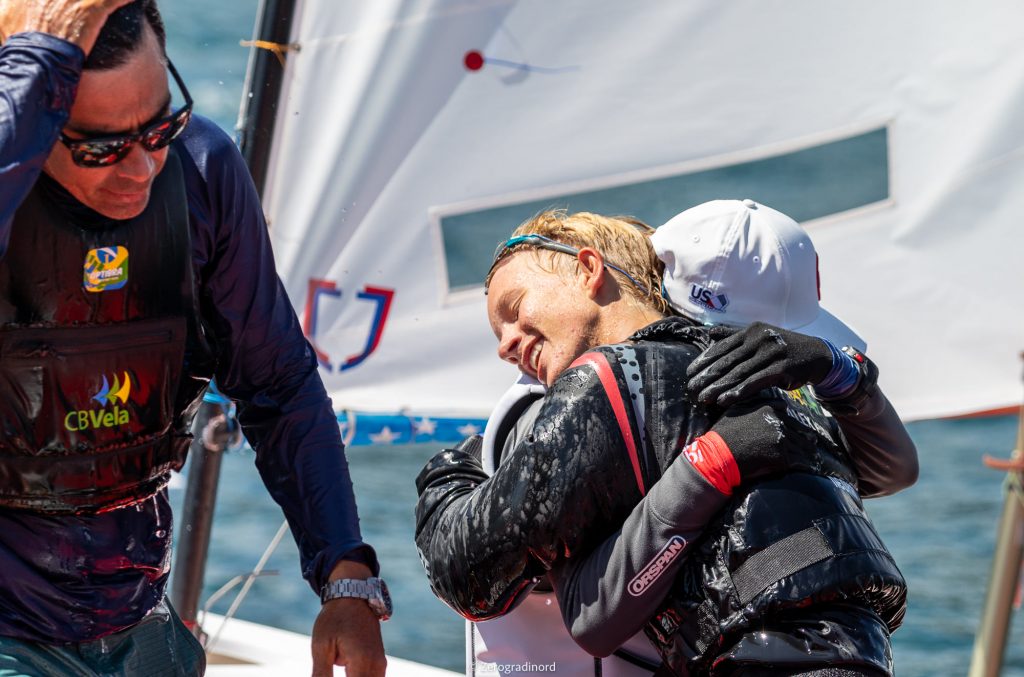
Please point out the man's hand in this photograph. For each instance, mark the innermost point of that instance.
(77, 21)
(755, 358)
(347, 632)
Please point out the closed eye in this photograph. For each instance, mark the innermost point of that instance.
(505, 310)
(514, 310)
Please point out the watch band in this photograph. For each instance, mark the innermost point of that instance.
(373, 590)
(853, 402)
(348, 587)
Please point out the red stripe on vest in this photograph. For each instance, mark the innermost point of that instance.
(604, 372)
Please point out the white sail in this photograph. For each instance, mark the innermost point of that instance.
(412, 136)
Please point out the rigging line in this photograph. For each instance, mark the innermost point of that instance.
(1013, 464)
(225, 589)
(249, 580)
(515, 65)
(277, 48)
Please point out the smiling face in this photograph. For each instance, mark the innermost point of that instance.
(544, 319)
(550, 300)
(116, 101)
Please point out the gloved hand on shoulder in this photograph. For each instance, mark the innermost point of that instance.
(759, 440)
(742, 363)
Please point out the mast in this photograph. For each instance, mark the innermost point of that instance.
(997, 615)
(214, 421)
(214, 426)
(262, 90)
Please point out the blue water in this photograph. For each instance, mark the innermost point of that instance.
(941, 531)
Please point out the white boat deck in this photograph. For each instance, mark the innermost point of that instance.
(247, 649)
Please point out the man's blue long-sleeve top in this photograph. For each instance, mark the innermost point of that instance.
(72, 578)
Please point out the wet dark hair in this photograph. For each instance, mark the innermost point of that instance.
(123, 33)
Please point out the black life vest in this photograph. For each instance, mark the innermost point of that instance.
(98, 319)
(789, 561)
(798, 542)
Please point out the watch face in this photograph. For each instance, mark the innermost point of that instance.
(382, 607)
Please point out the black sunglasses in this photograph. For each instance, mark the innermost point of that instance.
(103, 151)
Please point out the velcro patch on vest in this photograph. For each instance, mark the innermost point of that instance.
(780, 559)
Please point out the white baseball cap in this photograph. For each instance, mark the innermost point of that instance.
(735, 262)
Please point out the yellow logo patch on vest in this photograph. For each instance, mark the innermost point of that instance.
(115, 393)
(106, 268)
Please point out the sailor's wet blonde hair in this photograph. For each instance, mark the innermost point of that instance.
(622, 240)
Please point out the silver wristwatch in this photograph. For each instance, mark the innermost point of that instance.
(373, 590)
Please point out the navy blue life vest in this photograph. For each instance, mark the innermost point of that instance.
(102, 355)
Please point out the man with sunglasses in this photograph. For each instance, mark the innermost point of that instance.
(134, 266)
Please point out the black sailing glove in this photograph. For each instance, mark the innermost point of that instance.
(764, 440)
(742, 363)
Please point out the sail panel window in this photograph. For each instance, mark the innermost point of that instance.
(807, 184)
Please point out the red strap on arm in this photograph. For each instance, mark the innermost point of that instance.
(711, 457)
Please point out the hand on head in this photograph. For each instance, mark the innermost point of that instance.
(77, 21)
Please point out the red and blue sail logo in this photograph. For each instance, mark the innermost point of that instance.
(381, 299)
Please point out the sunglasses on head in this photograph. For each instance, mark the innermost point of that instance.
(103, 151)
(542, 242)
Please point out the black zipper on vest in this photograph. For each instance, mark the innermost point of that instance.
(35, 347)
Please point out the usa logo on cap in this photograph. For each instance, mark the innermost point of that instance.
(707, 299)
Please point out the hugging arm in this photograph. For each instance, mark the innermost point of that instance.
(741, 363)
(882, 451)
(628, 576)
(565, 488)
(485, 541)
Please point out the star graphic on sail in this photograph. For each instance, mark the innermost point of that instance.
(424, 426)
(468, 429)
(385, 436)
